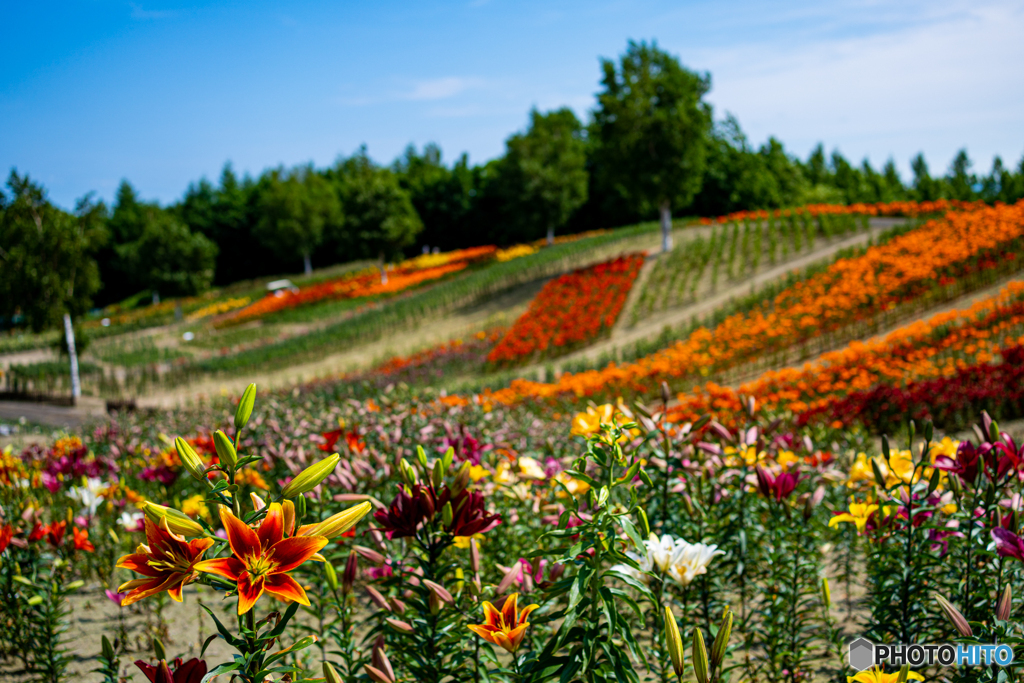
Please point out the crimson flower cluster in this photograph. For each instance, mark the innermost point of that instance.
(778, 487)
(418, 504)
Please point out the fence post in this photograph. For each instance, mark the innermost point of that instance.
(69, 334)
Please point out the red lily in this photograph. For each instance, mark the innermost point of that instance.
(6, 533)
(1008, 544)
(55, 533)
(776, 487)
(191, 671)
(168, 563)
(407, 512)
(262, 558)
(82, 541)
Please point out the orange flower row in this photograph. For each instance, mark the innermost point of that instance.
(906, 208)
(851, 290)
(570, 309)
(939, 347)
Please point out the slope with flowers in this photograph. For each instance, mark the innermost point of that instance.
(942, 259)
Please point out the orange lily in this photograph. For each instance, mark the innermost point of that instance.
(504, 628)
(168, 563)
(262, 558)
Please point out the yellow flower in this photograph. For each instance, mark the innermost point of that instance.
(196, 507)
(876, 675)
(945, 447)
(575, 486)
(503, 473)
(530, 468)
(478, 472)
(585, 424)
(860, 471)
(463, 541)
(785, 459)
(859, 514)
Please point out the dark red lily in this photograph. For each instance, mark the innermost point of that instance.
(1008, 544)
(191, 671)
(421, 503)
(6, 533)
(779, 487)
(966, 464)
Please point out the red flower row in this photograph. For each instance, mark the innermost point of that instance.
(571, 309)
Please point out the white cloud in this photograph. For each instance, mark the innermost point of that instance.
(441, 88)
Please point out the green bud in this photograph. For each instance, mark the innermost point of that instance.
(225, 449)
(189, 459)
(177, 521)
(245, 405)
(332, 576)
(904, 674)
(449, 458)
(446, 514)
(309, 478)
(646, 478)
(645, 525)
(721, 644)
(73, 586)
(35, 600)
(108, 649)
(437, 474)
(700, 657)
(928, 431)
(934, 483)
(876, 470)
(826, 593)
(330, 675)
(421, 458)
(158, 650)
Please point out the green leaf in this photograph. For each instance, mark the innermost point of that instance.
(634, 535)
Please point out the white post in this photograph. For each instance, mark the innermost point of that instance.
(69, 334)
(666, 227)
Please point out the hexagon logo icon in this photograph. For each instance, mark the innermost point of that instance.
(862, 654)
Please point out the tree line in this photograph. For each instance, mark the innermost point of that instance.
(650, 149)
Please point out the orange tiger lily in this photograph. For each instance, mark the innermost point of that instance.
(262, 558)
(168, 563)
(504, 628)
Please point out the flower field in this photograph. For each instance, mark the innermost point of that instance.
(960, 251)
(375, 527)
(570, 310)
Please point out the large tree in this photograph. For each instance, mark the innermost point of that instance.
(380, 220)
(167, 258)
(46, 264)
(650, 130)
(546, 170)
(294, 208)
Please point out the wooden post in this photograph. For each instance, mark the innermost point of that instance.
(69, 334)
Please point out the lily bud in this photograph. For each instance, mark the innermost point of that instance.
(434, 603)
(330, 675)
(1004, 606)
(437, 474)
(380, 670)
(666, 393)
(721, 644)
(955, 617)
(309, 478)
(904, 674)
(108, 649)
(257, 502)
(407, 473)
(158, 649)
(177, 522)
(288, 513)
(460, 577)
(446, 514)
(461, 479)
(674, 642)
(189, 459)
(700, 657)
(645, 526)
(369, 554)
(245, 405)
(474, 556)
(876, 470)
(225, 449)
(351, 568)
(399, 625)
(826, 594)
(332, 576)
(448, 458)
(421, 457)
(338, 523)
(442, 593)
(378, 599)
(397, 606)
(688, 504)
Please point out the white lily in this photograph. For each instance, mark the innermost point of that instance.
(89, 495)
(679, 560)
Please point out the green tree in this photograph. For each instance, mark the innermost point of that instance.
(925, 187)
(294, 209)
(46, 264)
(380, 220)
(443, 197)
(650, 130)
(168, 258)
(546, 168)
(960, 180)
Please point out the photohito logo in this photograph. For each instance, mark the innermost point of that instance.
(865, 654)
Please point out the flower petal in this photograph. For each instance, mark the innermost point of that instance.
(249, 592)
(286, 588)
(228, 567)
(524, 615)
(244, 541)
(271, 531)
(492, 617)
(291, 552)
(138, 563)
(484, 632)
(508, 610)
(515, 636)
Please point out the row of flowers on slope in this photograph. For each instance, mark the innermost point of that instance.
(570, 309)
(942, 346)
(850, 290)
(901, 208)
(368, 282)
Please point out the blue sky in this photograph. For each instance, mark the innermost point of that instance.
(164, 92)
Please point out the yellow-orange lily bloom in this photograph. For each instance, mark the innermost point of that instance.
(859, 514)
(876, 675)
(506, 627)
